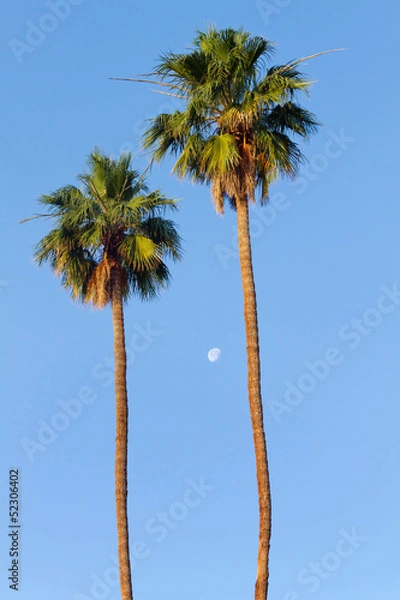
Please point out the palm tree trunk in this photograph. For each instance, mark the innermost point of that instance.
(254, 391)
(121, 441)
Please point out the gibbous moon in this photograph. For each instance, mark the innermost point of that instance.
(214, 354)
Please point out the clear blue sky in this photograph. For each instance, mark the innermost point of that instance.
(322, 260)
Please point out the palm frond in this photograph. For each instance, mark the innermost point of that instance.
(139, 253)
(290, 116)
(164, 234)
(219, 154)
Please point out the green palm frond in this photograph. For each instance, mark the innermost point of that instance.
(148, 285)
(220, 154)
(281, 84)
(61, 200)
(280, 150)
(163, 233)
(291, 117)
(188, 163)
(139, 252)
(167, 133)
(67, 257)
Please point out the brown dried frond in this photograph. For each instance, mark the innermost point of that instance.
(239, 182)
(99, 286)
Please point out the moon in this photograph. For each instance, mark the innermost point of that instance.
(214, 354)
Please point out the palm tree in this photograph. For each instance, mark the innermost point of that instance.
(235, 132)
(109, 242)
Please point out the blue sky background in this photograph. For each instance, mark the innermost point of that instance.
(320, 262)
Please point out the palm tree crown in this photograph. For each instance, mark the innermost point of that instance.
(237, 128)
(112, 224)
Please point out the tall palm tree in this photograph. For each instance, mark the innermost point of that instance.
(235, 132)
(110, 241)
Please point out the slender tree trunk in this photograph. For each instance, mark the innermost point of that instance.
(121, 441)
(254, 391)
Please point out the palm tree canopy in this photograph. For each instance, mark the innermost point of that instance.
(240, 118)
(111, 223)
